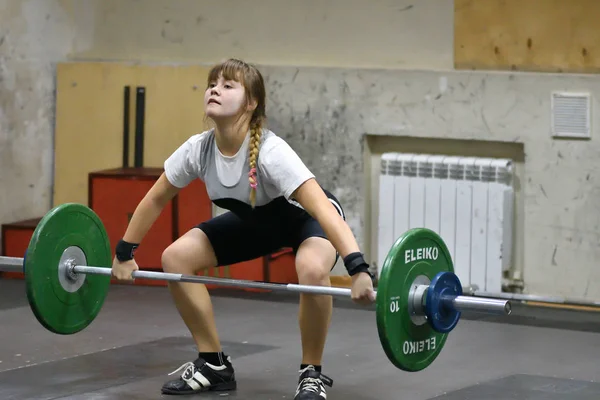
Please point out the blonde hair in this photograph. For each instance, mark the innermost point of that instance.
(250, 77)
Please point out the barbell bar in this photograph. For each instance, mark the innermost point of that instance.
(419, 299)
(458, 303)
(550, 299)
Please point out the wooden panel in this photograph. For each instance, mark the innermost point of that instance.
(527, 35)
(174, 108)
(89, 118)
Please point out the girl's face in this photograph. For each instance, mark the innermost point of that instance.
(224, 99)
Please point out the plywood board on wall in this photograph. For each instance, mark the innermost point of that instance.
(527, 35)
(174, 108)
(89, 118)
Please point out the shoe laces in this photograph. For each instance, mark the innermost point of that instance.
(311, 384)
(188, 367)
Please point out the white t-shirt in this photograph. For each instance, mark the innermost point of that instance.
(280, 171)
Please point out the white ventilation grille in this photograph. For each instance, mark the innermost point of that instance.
(571, 115)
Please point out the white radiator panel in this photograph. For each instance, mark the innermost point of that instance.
(479, 220)
(402, 203)
(386, 233)
(501, 201)
(433, 192)
(448, 207)
(417, 193)
(468, 201)
(494, 259)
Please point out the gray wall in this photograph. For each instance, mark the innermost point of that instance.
(336, 111)
(34, 36)
(384, 89)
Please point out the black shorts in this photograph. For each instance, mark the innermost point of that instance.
(236, 240)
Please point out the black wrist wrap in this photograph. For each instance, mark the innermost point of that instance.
(125, 250)
(355, 263)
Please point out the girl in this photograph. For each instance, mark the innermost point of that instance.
(273, 200)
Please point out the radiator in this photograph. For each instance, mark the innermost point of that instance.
(468, 201)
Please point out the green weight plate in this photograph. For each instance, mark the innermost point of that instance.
(409, 345)
(63, 305)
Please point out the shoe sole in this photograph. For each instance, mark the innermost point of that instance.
(213, 388)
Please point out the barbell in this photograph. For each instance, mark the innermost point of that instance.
(67, 268)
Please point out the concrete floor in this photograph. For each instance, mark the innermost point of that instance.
(138, 338)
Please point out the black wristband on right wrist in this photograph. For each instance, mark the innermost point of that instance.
(355, 263)
(124, 250)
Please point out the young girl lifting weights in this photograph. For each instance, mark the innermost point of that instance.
(273, 201)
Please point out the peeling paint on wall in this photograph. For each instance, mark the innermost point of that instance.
(325, 113)
(34, 36)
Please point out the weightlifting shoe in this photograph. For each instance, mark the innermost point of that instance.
(311, 385)
(200, 376)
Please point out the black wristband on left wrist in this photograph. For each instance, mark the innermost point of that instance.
(355, 263)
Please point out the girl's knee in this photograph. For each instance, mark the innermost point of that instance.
(312, 270)
(189, 254)
(314, 261)
(171, 260)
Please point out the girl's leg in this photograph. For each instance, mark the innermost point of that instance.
(188, 255)
(223, 240)
(314, 260)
